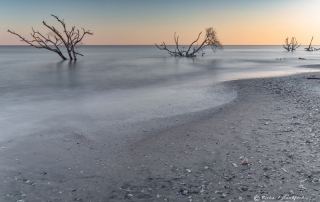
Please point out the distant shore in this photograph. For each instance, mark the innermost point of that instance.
(273, 123)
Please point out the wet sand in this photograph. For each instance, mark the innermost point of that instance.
(273, 123)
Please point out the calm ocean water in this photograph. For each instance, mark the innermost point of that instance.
(123, 84)
(124, 67)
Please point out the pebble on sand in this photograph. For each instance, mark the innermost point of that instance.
(244, 161)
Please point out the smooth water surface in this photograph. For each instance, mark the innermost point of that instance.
(112, 86)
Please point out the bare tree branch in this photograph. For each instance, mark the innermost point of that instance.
(292, 45)
(70, 40)
(42, 42)
(310, 48)
(210, 40)
(164, 47)
(193, 43)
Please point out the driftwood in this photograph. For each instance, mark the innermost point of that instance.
(210, 40)
(292, 45)
(70, 39)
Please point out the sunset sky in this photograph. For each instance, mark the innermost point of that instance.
(145, 22)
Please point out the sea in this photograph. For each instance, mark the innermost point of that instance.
(114, 87)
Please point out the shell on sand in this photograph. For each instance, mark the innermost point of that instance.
(244, 161)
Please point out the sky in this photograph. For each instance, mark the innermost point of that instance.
(145, 22)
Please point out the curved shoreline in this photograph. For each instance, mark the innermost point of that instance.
(273, 122)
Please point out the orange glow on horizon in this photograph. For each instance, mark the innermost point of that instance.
(251, 24)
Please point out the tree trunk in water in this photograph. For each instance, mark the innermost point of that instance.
(70, 56)
(74, 54)
(310, 43)
(62, 56)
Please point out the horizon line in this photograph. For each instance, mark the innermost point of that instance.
(166, 44)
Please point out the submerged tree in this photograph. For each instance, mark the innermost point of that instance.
(292, 45)
(69, 39)
(210, 40)
(310, 48)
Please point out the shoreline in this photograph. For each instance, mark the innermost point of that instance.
(271, 123)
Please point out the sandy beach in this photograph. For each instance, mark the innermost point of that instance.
(273, 123)
(171, 101)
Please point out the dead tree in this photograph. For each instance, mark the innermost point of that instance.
(69, 39)
(210, 40)
(310, 48)
(40, 41)
(292, 45)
